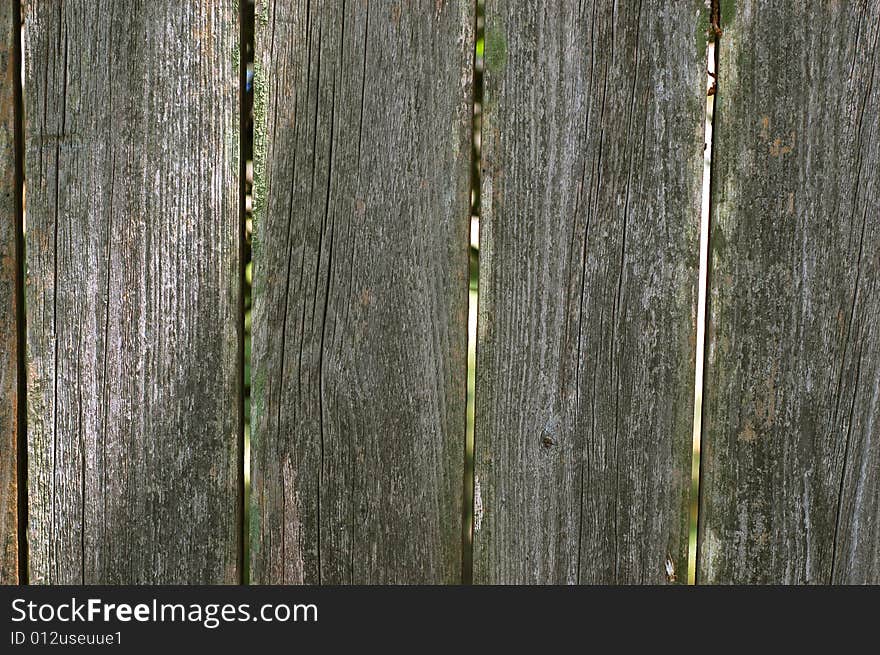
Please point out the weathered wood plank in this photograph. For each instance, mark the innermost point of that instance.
(791, 440)
(9, 271)
(133, 290)
(592, 164)
(360, 318)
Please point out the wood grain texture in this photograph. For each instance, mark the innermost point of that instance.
(361, 278)
(592, 170)
(133, 290)
(791, 440)
(9, 271)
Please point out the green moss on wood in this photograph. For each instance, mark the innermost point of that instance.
(728, 11)
(260, 141)
(702, 34)
(495, 50)
(254, 527)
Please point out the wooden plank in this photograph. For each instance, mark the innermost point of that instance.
(362, 149)
(791, 442)
(592, 164)
(133, 291)
(10, 266)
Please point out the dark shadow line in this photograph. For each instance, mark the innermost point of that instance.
(469, 469)
(20, 315)
(245, 39)
(716, 106)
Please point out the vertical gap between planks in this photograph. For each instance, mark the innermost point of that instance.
(467, 536)
(705, 218)
(246, 143)
(21, 395)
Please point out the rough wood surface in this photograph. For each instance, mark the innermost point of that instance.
(9, 267)
(133, 290)
(592, 165)
(360, 320)
(791, 441)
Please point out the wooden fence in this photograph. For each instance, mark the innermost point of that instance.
(128, 358)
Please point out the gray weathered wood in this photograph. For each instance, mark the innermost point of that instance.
(360, 318)
(791, 426)
(592, 165)
(133, 290)
(9, 269)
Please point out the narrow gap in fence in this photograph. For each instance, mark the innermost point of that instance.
(705, 215)
(467, 560)
(246, 178)
(21, 396)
